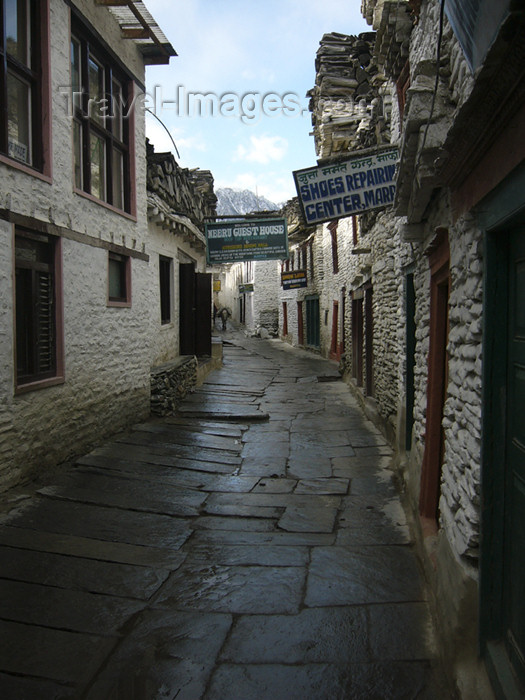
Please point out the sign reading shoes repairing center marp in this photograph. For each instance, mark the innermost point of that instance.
(349, 187)
(236, 241)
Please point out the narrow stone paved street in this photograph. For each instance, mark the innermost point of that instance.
(251, 547)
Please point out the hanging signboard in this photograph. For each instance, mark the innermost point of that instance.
(294, 279)
(353, 186)
(245, 288)
(237, 241)
(476, 24)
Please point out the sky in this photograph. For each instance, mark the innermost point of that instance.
(234, 99)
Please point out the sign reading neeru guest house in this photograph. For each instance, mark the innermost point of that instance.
(350, 187)
(238, 241)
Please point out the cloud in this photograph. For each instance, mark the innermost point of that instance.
(262, 149)
(160, 139)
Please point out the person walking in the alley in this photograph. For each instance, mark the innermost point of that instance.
(224, 314)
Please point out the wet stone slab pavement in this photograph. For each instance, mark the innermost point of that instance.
(253, 546)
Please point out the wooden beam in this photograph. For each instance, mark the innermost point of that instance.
(132, 33)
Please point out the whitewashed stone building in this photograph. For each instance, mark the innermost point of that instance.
(75, 273)
(434, 286)
(179, 201)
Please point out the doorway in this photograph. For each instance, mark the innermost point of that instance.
(437, 381)
(195, 311)
(502, 620)
(313, 325)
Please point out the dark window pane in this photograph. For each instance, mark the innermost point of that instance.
(35, 308)
(165, 289)
(77, 147)
(118, 179)
(19, 118)
(98, 166)
(117, 278)
(17, 30)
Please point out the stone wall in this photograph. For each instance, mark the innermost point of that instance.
(266, 279)
(170, 383)
(179, 199)
(106, 349)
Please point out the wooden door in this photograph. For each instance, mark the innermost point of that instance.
(369, 342)
(313, 328)
(203, 305)
(410, 347)
(195, 311)
(334, 347)
(357, 337)
(437, 381)
(187, 308)
(514, 525)
(300, 325)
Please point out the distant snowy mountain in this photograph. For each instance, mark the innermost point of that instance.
(234, 202)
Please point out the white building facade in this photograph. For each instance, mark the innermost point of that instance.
(75, 279)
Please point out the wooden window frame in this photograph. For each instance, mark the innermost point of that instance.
(36, 76)
(332, 227)
(166, 289)
(107, 118)
(402, 85)
(123, 300)
(56, 375)
(437, 380)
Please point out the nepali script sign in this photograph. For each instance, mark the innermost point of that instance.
(351, 187)
(237, 241)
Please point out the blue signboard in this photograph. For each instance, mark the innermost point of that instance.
(353, 186)
(476, 24)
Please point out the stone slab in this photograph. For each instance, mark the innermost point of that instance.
(233, 589)
(275, 485)
(256, 539)
(363, 575)
(173, 476)
(372, 519)
(142, 442)
(277, 681)
(130, 455)
(321, 635)
(238, 510)
(417, 643)
(23, 688)
(272, 467)
(179, 435)
(76, 611)
(129, 494)
(393, 680)
(167, 655)
(100, 523)
(206, 427)
(81, 574)
(308, 519)
(278, 500)
(303, 465)
(60, 543)
(323, 487)
(215, 522)
(242, 555)
(56, 655)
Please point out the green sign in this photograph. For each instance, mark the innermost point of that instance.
(245, 288)
(237, 241)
